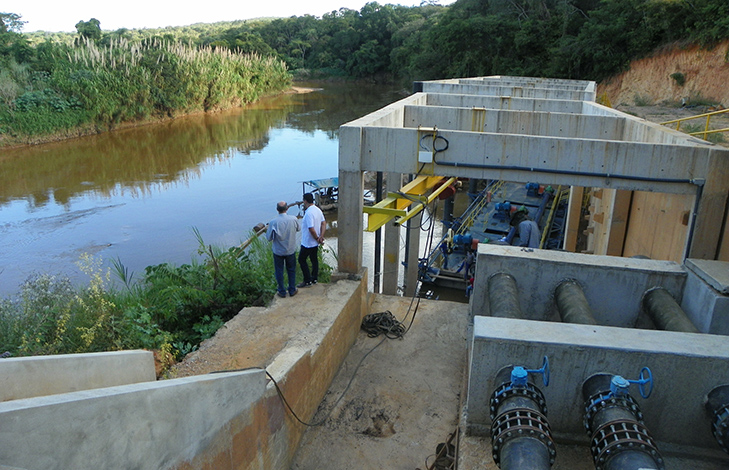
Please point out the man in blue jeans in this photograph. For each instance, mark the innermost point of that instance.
(282, 232)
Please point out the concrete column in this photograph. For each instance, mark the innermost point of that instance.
(351, 189)
(391, 264)
(413, 236)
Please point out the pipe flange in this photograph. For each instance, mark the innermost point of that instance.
(622, 435)
(721, 427)
(606, 399)
(520, 423)
(507, 390)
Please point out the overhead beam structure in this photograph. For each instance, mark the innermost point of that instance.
(532, 129)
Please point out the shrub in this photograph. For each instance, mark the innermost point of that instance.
(679, 78)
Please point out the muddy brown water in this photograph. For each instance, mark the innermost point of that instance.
(136, 194)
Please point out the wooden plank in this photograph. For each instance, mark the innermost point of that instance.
(655, 226)
(573, 218)
(619, 222)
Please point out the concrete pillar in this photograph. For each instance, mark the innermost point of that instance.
(413, 236)
(391, 264)
(351, 189)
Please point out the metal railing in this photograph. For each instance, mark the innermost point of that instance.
(706, 130)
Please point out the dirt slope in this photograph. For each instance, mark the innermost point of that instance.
(706, 74)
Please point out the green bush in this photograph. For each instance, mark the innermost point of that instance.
(679, 78)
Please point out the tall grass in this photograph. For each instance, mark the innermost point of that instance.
(123, 81)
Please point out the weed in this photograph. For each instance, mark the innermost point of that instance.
(679, 78)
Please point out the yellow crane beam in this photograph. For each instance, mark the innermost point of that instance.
(396, 204)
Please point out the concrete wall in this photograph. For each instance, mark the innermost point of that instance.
(151, 425)
(222, 421)
(705, 298)
(27, 377)
(614, 287)
(304, 370)
(685, 368)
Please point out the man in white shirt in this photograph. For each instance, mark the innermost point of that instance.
(282, 232)
(313, 227)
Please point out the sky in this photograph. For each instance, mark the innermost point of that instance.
(56, 15)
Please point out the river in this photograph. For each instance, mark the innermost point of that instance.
(137, 194)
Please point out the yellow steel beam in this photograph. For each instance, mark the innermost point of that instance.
(415, 210)
(395, 204)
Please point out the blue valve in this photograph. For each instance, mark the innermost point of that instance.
(619, 385)
(519, 374)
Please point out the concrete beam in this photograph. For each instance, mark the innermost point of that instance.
(391, 264)
(685, 368)
(36, 376)
(567, 161)
(503, 102)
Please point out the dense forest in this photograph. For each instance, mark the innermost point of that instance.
(55, 81)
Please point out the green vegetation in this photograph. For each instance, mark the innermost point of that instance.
(53, 82)
(679, 78)
(171, 308)
(99, 84)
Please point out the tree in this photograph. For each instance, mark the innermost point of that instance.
(10, 22)
(89, 29)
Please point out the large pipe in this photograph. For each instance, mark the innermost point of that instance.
(572, 304)
(665, 312)
(504, 296)
(520, 435)
(717, 404)
(619, 439)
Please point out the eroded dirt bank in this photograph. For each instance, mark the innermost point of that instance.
(705, 76)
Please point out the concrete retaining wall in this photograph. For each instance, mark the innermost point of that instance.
(705, 299)
(222, 421)
(151, 425)
(685, 368)
(27, 377)
(614, 287)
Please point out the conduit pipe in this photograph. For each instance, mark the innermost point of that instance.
(665, 312)
(619, 438)
(504, 296)
(717, 404)
(572, 304)
(521, 438)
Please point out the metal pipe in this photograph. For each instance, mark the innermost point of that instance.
(572, 304)
(665, 312)
(717, 404)
(619, 438)
(520, 435)
(504, 296)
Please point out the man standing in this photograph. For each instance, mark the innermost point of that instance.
(312, 235)
(282, 232)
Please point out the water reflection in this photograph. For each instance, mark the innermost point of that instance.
(136, 193)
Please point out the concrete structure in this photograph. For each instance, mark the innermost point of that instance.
(37, 376)
(233, 419)
(525, 129)
(520, 129)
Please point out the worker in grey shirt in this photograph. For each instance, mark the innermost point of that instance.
(528, 229)
(282, 233)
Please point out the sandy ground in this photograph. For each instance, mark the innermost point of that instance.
(403, 400)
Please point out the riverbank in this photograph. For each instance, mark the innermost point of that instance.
(8, 142)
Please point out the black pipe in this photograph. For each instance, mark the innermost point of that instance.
(504, 296)
(572, 304)
(717, 404)
(448, 210)
(619, 438)
(665, 312)
(378, 238)
(520, 435)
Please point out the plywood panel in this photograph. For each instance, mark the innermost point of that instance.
(658, 225)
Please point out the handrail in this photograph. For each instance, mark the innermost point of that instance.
(706, 130)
